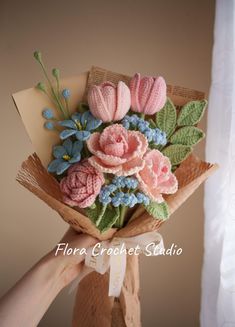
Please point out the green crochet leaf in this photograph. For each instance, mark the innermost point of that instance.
(95, 212)
(104, 217)
(177, 153)
(158, 210)
(191, 113)
(109, 218)
(188, 135)
(166, 118)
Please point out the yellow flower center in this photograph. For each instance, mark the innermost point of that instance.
(79, 125)
(66, 157)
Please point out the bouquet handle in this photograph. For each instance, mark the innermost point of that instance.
(94, 308)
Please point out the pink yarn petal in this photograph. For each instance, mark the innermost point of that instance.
(116, 150)
(101, 166)
(93, 143)
(170, 186)
(89, 184)
(156, 177)
(73, 181)
(144, 143)
(157, 96)
(94, 148)
(131, 167)
(148, 176)
(96, 184)
(134, 87)
(88, 201)
(97, 104)
(145, 88)
(156, 160)
(134, 145)
(100, 176)
(154, 196)
(81, 166)
(69, 202)
(137, 145)
(78, 196)
(111, 133)
(82, 177)
(81, 190)
(108, 91)
(64, 187)
(110, 160)
(123, 100)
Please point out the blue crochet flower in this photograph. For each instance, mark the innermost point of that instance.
(47, 113)
(142, 198)
(104, 196)
(117, 199)
(126, 200)
(131, 182)
(66, 93)
(80, 125)
(159, 137)
(154, 135)
(49, 125)
(65, 155)
(143, 125)
(133, 200)
(119, 181)
(122, 181)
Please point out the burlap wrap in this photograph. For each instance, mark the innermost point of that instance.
(93, 307)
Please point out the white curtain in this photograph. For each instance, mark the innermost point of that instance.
(218, 278)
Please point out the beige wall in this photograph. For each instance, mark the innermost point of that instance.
(173, 38)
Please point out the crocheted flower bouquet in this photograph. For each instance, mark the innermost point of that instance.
(120, 164)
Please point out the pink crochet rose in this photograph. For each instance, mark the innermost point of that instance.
(148, 94)
(117, 150)
(156, 177)
(82, 185)
(109, 102)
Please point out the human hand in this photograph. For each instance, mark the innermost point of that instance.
(26, 302)
(67, 267)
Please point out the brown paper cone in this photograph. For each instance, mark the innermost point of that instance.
(93, 307)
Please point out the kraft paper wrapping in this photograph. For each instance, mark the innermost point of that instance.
(92, 306)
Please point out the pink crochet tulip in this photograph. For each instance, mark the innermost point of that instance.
(82, 185)
(156, 177)
(148, 94)
(117, 150)
(109, 102)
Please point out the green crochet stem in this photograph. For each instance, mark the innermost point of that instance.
(121, 218)
(55, 97)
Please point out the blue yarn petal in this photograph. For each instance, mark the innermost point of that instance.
(62, 167)
(83, 135)
(93, 123)
(52, 167)
(68, 145)
(68, 123)
(58, 151)
(77, 148)
(86, 116)
(75, 159)
(67, 133)
(76, 116)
